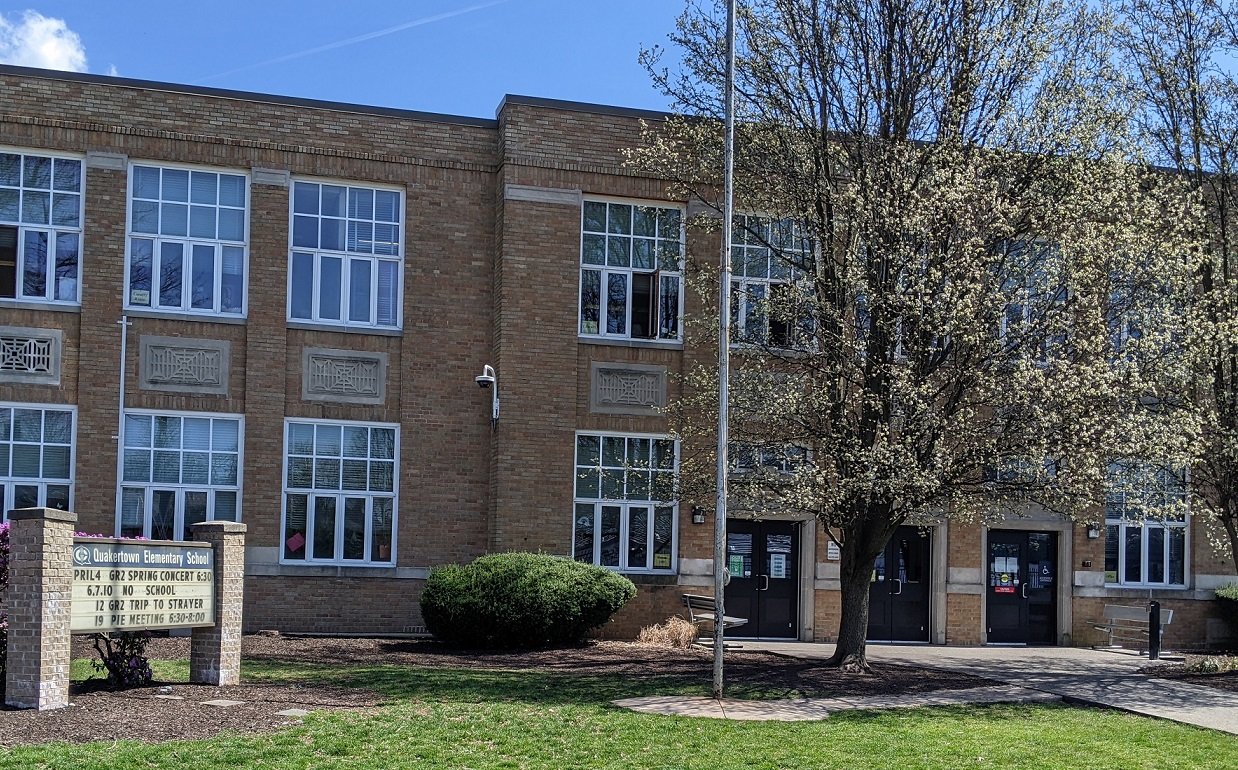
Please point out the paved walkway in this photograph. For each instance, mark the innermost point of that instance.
(819, 708)
(1092, 676)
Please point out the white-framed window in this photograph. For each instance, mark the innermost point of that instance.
(187, 240)
(1033, 298)
(347, 255)
(626, 516)
(36, 456)
(178, 469)
(630, 270)
(774, 458)
(1145, 527)
(340, 492)
(767, 257)
(40, 227)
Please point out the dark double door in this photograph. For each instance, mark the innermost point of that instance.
(898, 596)
(1021, 590)
(763, 559)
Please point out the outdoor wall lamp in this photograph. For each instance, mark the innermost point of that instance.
(1093, 531)
(698, 514)
(488, 380)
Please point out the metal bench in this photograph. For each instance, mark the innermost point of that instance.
(1129, 624)
(703, 609)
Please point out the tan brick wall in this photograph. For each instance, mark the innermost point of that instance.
(963, 618)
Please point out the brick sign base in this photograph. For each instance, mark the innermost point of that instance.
(39, 605)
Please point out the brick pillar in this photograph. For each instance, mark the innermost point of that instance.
(39, 607)
(215, 652)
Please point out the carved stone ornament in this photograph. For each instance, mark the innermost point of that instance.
(635, 389)
(30, 355)
(344, 376)
(182, 365)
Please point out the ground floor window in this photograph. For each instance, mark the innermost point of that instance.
(1145, 526)
(625, 515)
(36, 457)
(178, 470)
(339, 492)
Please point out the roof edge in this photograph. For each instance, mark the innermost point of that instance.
(246, 96)
(571, 106)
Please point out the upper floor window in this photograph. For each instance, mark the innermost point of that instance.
(625, 513)
(40, 227)
(1145, 526)
(778, 458)
(1034, 318)
(36, 457)
(187, 243)
(767, 257)
(630, 286)
(178, 470)
(340, 492)
(347, 255)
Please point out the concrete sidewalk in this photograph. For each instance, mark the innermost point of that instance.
(1092, 676)
(807, 709)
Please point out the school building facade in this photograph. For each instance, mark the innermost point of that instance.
(225, 305)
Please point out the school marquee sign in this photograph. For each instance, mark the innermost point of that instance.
(127, 586)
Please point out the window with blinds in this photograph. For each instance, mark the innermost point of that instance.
(346, 255)
(178, 470)
(187, 240)
(36, 457)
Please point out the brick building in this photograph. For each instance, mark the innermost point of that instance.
(224, 305)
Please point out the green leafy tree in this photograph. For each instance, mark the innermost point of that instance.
(957, 294)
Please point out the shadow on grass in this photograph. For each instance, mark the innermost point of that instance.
(465, 685)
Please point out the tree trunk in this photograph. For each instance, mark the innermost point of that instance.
(1229, 518)
(862, 539)
(850, 652)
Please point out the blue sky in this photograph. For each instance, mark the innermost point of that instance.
(448, 56)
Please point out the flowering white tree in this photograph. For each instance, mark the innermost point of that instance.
(1183, 59)
(954, 291)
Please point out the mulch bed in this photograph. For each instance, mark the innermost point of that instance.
(96, 714)
(1180, 672)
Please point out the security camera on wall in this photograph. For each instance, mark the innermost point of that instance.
(486, 378)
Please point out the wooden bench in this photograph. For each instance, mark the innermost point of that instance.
(703, 609)
(1130, 624)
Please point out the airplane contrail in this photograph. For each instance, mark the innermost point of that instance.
(358, 39)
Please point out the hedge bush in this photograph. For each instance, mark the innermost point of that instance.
(1227, 595)
(520, 600)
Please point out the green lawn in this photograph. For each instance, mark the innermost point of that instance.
(466, 718)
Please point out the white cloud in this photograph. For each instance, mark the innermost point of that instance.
(37, 41)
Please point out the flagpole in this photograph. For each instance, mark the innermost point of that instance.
(724, 352)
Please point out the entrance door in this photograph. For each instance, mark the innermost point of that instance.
(1022, 591)
(898, 597)
(762, 557)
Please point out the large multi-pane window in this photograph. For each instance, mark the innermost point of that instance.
(40, 227)
(36, 457)
(1145, 526)
(187, 241)
(625, 512)
(767, 256)
(340, 492)
(630, 285)
(178, 470)
(1033, 318)
(347, 254)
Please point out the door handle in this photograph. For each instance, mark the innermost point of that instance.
(766, 586)
(1025, 589)
(900, 587)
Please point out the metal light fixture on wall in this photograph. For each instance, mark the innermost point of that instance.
(1093, 531)
(489, 380)
(698, 514)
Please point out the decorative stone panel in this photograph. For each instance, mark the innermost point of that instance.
(30, 355)
(637, 389)
(343, 376)
(183, 365)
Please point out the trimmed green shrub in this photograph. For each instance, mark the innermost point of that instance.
(521, 600)
(1227, 595)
